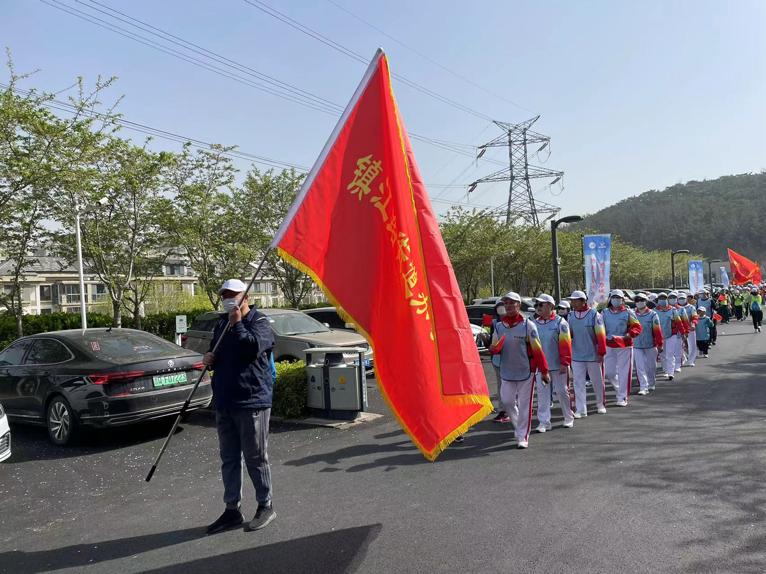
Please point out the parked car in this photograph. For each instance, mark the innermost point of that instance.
(5, 436)
(329, 316)
(294, 331)
(98, 377)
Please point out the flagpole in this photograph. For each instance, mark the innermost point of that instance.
(204, 371)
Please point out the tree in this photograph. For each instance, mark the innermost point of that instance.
(39, 153)
(215, 230)
(121, 212)
(266, 197)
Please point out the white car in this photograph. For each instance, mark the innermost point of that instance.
(5, 436)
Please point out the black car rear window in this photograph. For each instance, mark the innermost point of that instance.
(127, 346)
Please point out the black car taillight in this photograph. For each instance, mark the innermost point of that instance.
(121, 376)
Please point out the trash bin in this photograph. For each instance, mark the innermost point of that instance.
(336, 381)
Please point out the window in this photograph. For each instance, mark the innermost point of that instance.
(124, 347)
(13, 354)
(100, 289)
(46, 311)
(71, 289)
(45, 292)
(46, 352)
(175, 269)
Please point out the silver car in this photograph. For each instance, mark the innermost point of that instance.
(293, 333)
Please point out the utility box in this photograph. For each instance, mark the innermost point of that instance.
(336, 381)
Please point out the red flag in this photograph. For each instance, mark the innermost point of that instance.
(362, 227)
(743, 270)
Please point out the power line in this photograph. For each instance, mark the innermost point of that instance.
(426, 57)
(274, 13)
(274, 86)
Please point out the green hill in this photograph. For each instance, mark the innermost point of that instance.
(703, 216)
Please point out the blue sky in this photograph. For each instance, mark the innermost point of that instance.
(636, 96)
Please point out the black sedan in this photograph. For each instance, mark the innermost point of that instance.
(98, 378)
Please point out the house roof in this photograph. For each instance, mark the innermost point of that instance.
(42, 264)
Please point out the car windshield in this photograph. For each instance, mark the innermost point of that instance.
(122, 347)
(295, 324)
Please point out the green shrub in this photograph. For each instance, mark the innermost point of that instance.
(290, 391)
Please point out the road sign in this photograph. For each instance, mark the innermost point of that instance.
(181, 324)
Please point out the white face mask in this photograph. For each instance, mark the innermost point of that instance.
(682, 301)
(616, 302)
(563, 312)
(230, 304)
(640, 304)
(662, 302)
(501, 311)
(672, 300)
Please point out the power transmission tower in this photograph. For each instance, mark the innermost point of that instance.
(521, 201)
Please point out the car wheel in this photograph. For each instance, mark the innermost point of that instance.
(61, 422)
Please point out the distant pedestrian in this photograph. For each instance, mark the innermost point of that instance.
(691, 336)
(588, 350)
(672, 331)
(622, 327)
(646, 345)
(502, 416)
(557, 347)
(756, 309)
(517, 342)
(685, 329)
(242, 389)
(704, 329)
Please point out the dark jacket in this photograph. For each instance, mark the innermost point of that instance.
(242, 370)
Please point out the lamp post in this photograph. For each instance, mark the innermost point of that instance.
(492, 274)
(710, 270)
(83, 309)
(673, 264)
(555, 251)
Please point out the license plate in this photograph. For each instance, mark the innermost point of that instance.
(169, 380)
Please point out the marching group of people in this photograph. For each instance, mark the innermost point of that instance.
(571, 341)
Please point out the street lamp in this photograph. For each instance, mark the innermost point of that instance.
(673, 264)
(555, 251)
(83, 308)
(710, 270)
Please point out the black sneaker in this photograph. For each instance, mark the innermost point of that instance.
(231, 518)
(263, 516)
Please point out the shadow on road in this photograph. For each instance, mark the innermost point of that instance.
(335, 552)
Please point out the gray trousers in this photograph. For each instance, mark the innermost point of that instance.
(244, 434)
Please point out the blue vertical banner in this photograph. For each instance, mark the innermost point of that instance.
(724, 277)
(696, 276)
(597, 250)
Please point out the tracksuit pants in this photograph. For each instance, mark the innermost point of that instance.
(646, 367)
(680, 355)
(517, 396)
(560, 386)
(703, 345)
(691, 340)
(668, 355)
(594, 371)
(618, 368)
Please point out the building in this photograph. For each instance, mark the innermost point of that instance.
(50, 284)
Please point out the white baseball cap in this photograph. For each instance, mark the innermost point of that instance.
(642, 296)
(617, 293)
(578, 295)
(513, 296)
(232, 285)
(545, 298)
(564, 304)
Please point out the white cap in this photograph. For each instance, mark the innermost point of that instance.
(643, 296)
(513, 296)
(564, 304)
(545, 298)
(652, 296)
(578, 295)
(617, 293)
(232, 285)
(702, 309)
(673, 294)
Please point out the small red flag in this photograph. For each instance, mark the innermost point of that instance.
(362, 227)
(743, 269)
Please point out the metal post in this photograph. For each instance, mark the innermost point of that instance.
(492, 274)
(555, 254)
(673, 268)
(582, 258)
(83, 309)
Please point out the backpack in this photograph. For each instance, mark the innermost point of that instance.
(754, 306)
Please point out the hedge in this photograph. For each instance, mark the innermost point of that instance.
(160, 324)
(290, 391)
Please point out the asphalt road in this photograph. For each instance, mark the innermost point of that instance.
(673, 483)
